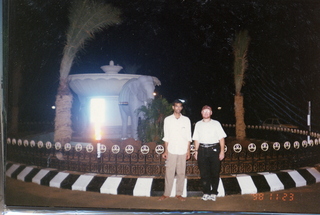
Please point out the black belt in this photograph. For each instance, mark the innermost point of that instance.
(208, 145)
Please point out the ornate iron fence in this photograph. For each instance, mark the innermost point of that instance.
(255, 157)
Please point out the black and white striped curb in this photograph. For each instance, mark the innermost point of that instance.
(151, 186)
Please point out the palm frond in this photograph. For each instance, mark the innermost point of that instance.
(240, 49)
(87, 18)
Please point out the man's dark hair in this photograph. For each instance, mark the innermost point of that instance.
(177, 101)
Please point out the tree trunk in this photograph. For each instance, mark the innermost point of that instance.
(239, 114)
(64, 98)
(63, 130)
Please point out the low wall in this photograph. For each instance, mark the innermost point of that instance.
(117, 159)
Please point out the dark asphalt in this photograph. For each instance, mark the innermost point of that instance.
(27, 196)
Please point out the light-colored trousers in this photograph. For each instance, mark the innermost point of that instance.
(175, 166)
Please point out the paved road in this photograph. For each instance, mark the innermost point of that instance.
(27, 194)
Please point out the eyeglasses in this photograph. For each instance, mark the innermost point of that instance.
(206, 111)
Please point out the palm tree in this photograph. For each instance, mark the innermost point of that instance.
(86, 18)
(240, 49)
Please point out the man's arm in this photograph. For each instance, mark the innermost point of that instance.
(196, 146)
(196, 141)
(165, 153)
(189, 139)
(165, 138)
(188, 151)
(222, 143)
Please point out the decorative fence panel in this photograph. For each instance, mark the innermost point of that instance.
(256, 157)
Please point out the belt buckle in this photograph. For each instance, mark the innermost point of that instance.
(207, 145)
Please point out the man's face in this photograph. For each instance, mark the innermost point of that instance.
(177, 107)
(206, 113)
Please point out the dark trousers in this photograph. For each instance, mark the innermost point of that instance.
(209, 166)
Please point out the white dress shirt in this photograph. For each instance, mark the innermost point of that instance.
(177, 132)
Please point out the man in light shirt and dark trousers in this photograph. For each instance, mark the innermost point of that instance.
(209, 144)
(177, 139)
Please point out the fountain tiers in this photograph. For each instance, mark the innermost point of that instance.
(98, 84)
(107, 86)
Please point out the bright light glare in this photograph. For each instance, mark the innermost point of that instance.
(154, 94)
(97, 110)
(182, 100)
(97, 115)
(219, 108)
(97, 131)
(53, 107)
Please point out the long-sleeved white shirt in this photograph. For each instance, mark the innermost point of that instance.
(177, 133)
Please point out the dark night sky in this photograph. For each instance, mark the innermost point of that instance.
(188, 46)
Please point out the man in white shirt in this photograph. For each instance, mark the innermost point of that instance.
(177, 138)
(209, 144)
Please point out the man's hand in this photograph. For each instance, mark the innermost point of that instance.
(221, 155)
(165, 155)
(195, 155)
(188, 155)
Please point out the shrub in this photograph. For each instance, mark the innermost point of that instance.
(150, 128)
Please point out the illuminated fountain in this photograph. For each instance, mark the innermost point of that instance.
(106, 86)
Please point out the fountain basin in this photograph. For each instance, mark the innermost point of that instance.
(111, 68)
(106, 86)
(98, 84)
